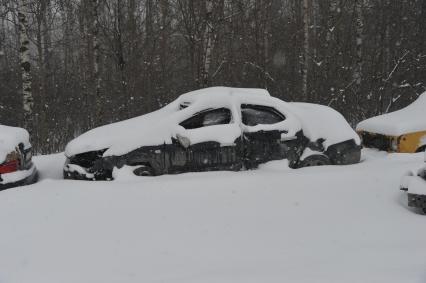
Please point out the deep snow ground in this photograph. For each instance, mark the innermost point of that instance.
(329, 224)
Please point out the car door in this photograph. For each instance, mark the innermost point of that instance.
(204, 132)
(262, 145)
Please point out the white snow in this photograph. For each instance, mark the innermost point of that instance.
(416, 185)
(407, 120)
(329, 224)
(161, 126)
(10, 138)
(309, 152)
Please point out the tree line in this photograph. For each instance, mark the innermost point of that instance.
(67, 66)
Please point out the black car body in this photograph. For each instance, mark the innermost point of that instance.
(213, 129)
(16, 166)
(414, 183)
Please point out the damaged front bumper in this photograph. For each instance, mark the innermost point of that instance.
(77, 172)
(19, 178)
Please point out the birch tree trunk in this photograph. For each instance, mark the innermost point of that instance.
(24, 58)
(305, 67)
(208, 43)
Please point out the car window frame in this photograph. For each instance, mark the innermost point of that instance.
(262, 108)
(205, 112)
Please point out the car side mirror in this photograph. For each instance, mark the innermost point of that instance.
(183, 141)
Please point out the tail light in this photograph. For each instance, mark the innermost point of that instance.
(11, 164)
(9, 167)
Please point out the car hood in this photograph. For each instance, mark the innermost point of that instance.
(407, 120)
(10, 138)
(323, 122)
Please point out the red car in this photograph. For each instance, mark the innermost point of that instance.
(16, 166)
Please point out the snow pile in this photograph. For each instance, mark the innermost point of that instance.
(415, 185)
(10, 138)
(161, 126)
(407, 120)
(327, 224)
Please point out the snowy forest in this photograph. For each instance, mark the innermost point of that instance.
(67, 66)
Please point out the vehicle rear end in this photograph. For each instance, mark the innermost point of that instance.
(17, 169)
(379, 141)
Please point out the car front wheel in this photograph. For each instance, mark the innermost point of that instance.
(315, 160)
(143, 171)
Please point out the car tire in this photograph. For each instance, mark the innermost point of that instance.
(144, 171)
(424, 210)
(314, 160)
(421, 149)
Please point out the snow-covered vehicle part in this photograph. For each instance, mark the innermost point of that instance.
(414, 183)
(400, 131)
(16, 166)
(214, 129)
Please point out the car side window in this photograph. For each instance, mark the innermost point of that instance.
(207, 118)
(253, 115)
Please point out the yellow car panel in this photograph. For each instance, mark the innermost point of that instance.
(411, 143)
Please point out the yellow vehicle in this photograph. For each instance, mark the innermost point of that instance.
(400, 131)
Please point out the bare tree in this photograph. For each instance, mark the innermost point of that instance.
(208, 39)
(306, 47)
(25, 60)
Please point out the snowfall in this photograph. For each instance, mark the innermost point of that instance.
(274, 224)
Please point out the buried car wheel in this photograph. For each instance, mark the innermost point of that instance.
(315, 160)
(143, 171)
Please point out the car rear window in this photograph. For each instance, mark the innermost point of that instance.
(253, 115)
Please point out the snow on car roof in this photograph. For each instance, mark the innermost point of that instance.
(10, 138)
(160, 126)
(407, 120)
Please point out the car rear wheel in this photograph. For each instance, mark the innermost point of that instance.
(143, 171)
(421, 149)
(315, 160)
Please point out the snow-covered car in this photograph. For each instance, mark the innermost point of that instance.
(16, 166)
(400, 131)
(414, 183)
(215, 129)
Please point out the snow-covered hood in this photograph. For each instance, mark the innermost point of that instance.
(321, 121)
(407, 120)
(160, 126)
(10, 138)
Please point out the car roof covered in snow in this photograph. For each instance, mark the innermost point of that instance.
(407, 120)
(161, 126)
(10, 138)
